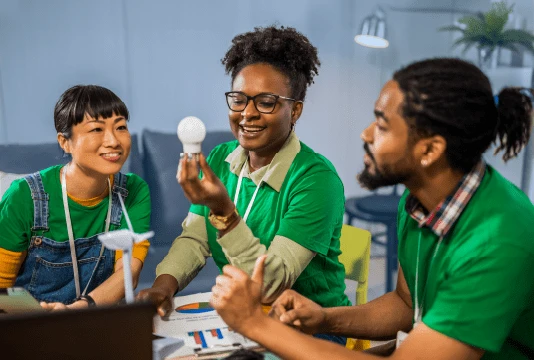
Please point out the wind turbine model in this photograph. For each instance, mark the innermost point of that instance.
(124, 240)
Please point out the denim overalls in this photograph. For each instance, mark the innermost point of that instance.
(47, 272)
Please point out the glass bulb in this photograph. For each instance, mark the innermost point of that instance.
(191, 132)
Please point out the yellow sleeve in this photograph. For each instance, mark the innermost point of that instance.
(10, 262)
(139, 251)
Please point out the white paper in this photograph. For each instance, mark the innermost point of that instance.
(162, 348)
(180, 322)
(202, 329)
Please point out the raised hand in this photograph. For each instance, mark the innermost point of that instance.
(298, 311)
(237, 297)
(209, 190)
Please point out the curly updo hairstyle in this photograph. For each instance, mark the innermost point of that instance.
(281, 47)
(453, 98)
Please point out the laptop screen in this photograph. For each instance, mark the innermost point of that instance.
(118, 332)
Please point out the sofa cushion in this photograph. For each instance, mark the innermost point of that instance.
(134, 163)
(27, 159)
(6, 179)
(161, 152)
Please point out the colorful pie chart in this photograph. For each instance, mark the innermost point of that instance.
(194, 308)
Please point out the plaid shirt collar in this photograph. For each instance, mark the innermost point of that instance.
(444, 216)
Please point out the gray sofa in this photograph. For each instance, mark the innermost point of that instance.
(156, 161)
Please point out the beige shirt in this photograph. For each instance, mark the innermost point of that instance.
(286, 259)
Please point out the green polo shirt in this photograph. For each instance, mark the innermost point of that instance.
(301, 199)
(480, 287)
(16, 211)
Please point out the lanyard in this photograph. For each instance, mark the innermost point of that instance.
(236, 196)
(418, 312)
(71, 235)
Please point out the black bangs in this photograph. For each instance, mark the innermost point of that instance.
(96, 101)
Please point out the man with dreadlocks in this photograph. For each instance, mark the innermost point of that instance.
(288, 201)
(465, 287)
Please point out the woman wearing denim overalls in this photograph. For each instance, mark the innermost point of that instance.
(50, 220)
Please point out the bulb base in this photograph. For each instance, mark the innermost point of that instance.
(192, 148)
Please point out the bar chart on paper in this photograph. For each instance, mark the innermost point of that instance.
(217, 338)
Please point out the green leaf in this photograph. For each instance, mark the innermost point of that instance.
(510, 47)
(451, 28)
(467, 47)
(515, 35)
(467, 41)
(497, 17)
(486, 30)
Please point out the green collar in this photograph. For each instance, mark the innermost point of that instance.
(276, 172)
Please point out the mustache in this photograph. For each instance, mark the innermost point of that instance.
(368, 152)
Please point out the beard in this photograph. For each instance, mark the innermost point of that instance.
(380, 178)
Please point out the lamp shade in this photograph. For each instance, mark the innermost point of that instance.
(373, 31)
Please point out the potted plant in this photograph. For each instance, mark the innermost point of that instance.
(486, 31)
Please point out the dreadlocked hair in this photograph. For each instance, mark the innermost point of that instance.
(281, 47)
(453, 98)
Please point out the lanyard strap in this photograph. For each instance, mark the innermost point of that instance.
(418, 311)
(71, 234)
(237, 191)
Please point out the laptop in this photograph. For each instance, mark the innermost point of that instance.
(115, 332)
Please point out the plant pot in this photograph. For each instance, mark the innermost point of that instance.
(488, 58)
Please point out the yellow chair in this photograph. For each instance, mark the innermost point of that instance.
(355, 256)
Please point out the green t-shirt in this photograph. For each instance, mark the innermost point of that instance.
(16, 212)
(308, 209)
(480, 289)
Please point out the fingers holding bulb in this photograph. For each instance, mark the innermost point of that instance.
(188, 168)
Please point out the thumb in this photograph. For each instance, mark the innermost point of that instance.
(206, 170)
(292, 317)
(257, 273)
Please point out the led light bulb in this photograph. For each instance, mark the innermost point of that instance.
(191, 132)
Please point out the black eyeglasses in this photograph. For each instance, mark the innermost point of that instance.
(264, 103)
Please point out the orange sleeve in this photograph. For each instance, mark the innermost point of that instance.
(139, 251)
(10, 263)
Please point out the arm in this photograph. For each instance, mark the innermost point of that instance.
(110, 291)
(10, 263)
(185, 259)
(422, 343)
(379, 319)
(107, 293)
(188, 253)
(16, 217)
(139, 251)
(236, 297)
(286, 261)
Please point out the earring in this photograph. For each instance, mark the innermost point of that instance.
(424, 162)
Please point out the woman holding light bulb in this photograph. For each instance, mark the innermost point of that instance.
(266, 192)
